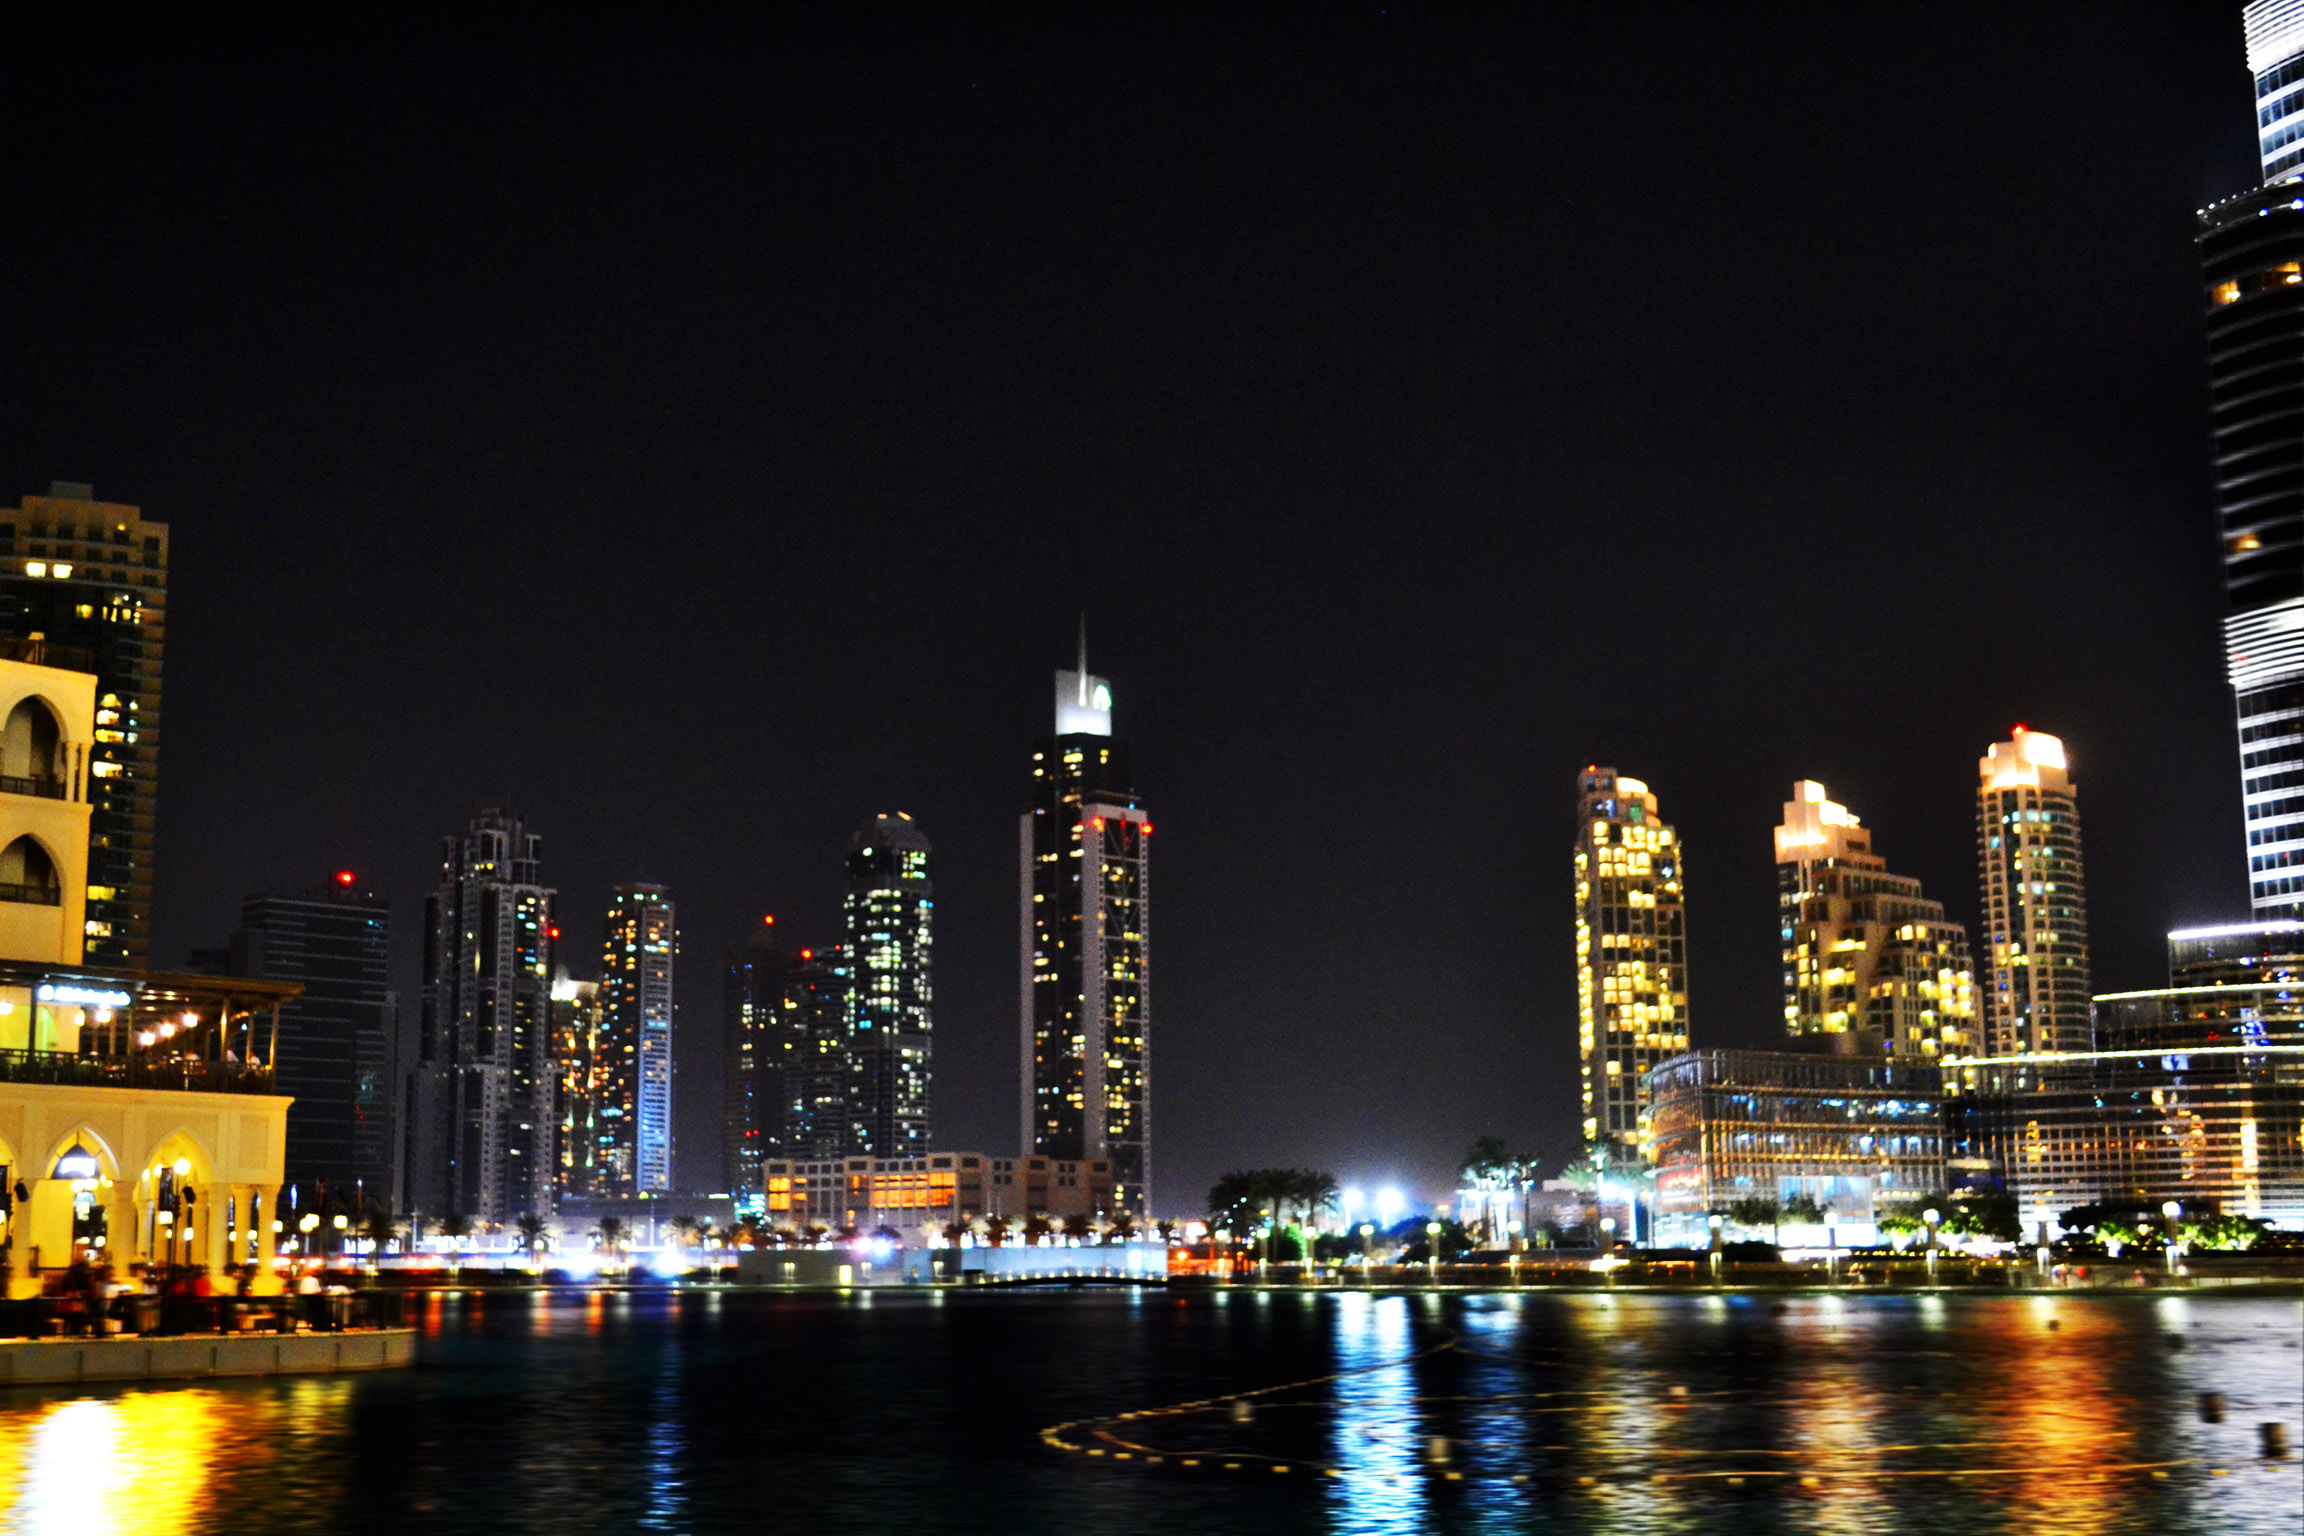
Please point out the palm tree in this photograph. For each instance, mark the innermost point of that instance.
(1122, 1229)
(1167, 1231)
(749, 1233)
(996, 1230)
(610, 1233)
(683, 1231)
(1314, 1192)
(954, 1231)
(1081, 1227)
(533, 1231)
(1488, 1167)
(1037, 1228)
(379, 1229)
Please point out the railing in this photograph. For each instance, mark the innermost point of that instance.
(141, 1313)
(18, 784)
(36, 895)
(181, 1074)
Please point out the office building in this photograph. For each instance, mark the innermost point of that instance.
(1085, 965)
(480, 1115)
(2035, 983)
(1856, 1132)
(92, 577)
(335, 1052)
(887, 914)
(633, 1101)
(2252, 260)
(2193, 1092)
(582, 1143)
(1865, 953)
(1631, 954)
(756, 1058)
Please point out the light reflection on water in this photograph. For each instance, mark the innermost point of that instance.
(597, 1412)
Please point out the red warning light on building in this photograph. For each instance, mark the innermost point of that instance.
(343, 877)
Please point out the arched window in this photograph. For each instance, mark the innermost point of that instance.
(32, 751)
(28, 874)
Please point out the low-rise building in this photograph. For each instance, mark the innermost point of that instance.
(2193, 1093)
(1858, 1133)
(919, 1197)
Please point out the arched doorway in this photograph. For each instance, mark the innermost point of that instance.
(32, 750)
(27, 874)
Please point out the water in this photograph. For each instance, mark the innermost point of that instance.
(587, 1412)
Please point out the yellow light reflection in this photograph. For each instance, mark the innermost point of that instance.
(134, 1463)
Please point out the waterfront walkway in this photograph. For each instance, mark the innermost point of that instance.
(180, 1357)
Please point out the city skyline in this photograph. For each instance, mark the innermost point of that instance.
(1343, 622)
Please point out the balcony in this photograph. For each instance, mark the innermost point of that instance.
(31, 895)
(45, 788)
(174, 1073)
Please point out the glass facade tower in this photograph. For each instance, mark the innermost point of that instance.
(1865, 953)
(2252, 256)
(1085, 965)
(887, 913)
(1631, 951)
(92, 576)
(635, 1067)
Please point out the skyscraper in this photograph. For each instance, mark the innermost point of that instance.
(93, 576)
(887, 914)
(2035, 902)
(480, 1100)
(2252, 256)
(1631, 955)
(335, 1051)
(577, 1062)
(635, 1056)
(1086, 958)
(754, 1067)
(1866, 955)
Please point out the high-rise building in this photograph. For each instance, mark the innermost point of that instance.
(754, 1063)
(480, 1115)
(635, 1054)
(1865, 953)
(92, 576)
(580, 1139)
(335, 1050)
(2252, 257)
(2035, 902)
(787, 1063)
(887, 914)
(1631, 951)
(816, 1027)
(1086, 957)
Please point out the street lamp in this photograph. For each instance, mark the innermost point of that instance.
(1367, 1246)
(1713, 1221)
(1432, 1246)
(1931, 1216)
(2169, 1211)
(1831, 1246)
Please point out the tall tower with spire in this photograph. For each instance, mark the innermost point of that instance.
(2252, 258)
(1085, 965)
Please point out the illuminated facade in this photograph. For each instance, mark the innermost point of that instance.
(1086, 955)
(918, 1198)
(91, 577)
(47, 735)
(580, 1138)
(2252, 257)
(634, 1073)
(2035, 992)
(480, 1117)
(887, 913)
(1865, 953)
(753, 1065)
(2193, 1092)
(1631, 954)
(1859, 1134)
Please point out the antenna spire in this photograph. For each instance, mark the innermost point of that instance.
(1083, 660)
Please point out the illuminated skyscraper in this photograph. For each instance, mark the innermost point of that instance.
(635, 1068)
(480, 1100)
(577, 1061)
(1631, 954)
(887, 914)
(1866, 955)
(2035, 902)
(2252, 255)
(1086, 958)
(93, 576)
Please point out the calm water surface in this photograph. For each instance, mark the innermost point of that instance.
(731, 1412)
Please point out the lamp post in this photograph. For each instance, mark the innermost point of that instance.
(1831, 1247)
(1367, 1245)
(1713, 1221)
(1931, 1216)
(1432, 1251)
(2169, 1211)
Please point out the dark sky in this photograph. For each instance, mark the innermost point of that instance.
(707, 434)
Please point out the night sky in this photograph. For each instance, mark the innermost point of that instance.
(707, 434)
